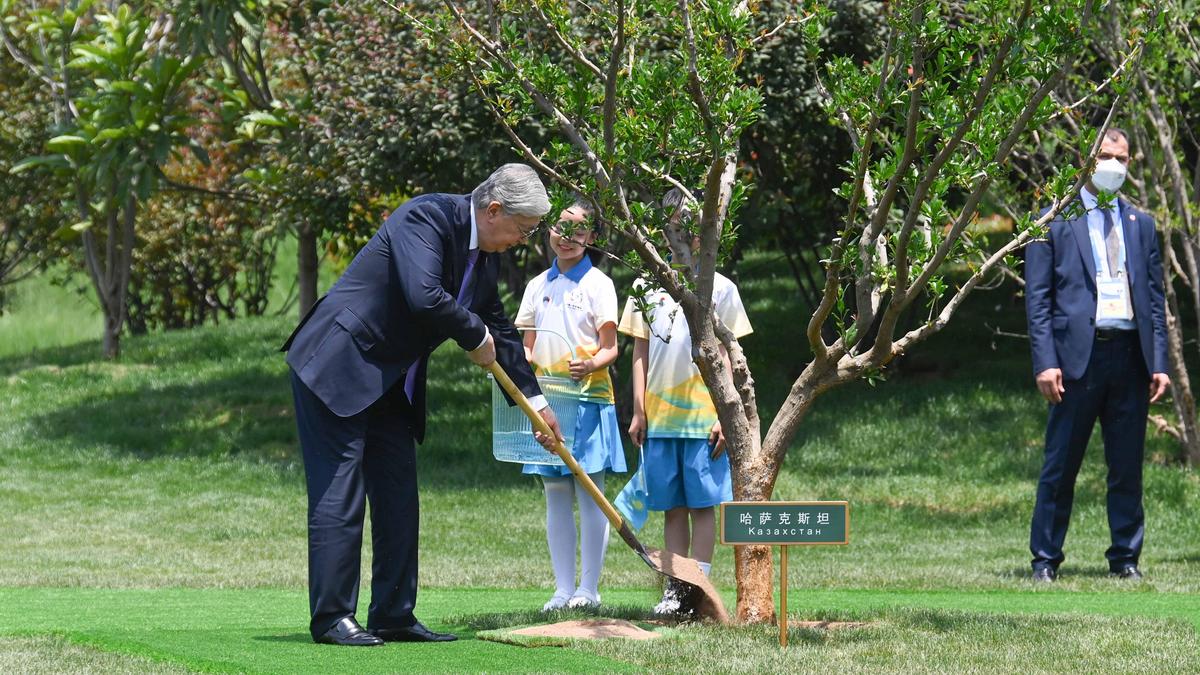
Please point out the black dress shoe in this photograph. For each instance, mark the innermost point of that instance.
(1045, 575)
(1129, 572)
(348, 633)
(414, 633)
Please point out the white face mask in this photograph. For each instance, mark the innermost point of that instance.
(1109, 175)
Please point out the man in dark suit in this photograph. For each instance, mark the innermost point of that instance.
(1094, 300)
(358, 380)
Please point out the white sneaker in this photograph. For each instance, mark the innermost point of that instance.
(584, 599)
(669, 605)
(559, 601)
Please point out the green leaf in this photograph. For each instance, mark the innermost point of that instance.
(265, 118)
(40, 160)
(112, 134)
(66, 143)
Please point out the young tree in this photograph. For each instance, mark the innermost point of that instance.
(932, 123)
(119, 96)
(794, 150)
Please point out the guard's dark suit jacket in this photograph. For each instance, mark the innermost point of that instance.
(395, 303)
(1060, 293)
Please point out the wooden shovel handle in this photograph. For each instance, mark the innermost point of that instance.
(614, 516)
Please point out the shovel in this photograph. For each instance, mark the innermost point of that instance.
(701, 597)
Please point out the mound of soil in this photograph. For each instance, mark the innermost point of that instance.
(590, 629)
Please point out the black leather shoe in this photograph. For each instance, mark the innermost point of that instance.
(414, 633)
(1045, 575)
(1129, 572)
(348, 633)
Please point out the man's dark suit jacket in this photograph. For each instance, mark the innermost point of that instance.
(1060, 293)
(395, 304)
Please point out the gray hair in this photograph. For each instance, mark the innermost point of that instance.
(518, 190)
(677, 200)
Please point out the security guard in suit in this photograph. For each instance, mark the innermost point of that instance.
(1097, 328)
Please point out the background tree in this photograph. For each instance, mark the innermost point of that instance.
(270, 79)
(119, 91)
(29, 210)
(397, 127)
(1155, 80)
(1166, 179)
(932, 123)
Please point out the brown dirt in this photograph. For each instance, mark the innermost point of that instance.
(590, 629)
(708, 604)
(826, 625)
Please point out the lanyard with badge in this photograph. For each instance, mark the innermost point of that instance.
(1112, 291)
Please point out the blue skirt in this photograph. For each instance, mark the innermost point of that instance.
(597, 443)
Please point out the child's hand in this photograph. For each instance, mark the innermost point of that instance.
(637, 429)
(580, 369)
(716, 439)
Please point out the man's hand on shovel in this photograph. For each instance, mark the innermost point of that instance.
(547, 442)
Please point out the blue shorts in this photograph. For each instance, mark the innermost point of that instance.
(681, 472)
(597, 443)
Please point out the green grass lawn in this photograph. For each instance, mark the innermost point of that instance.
(252, 631)
(152, 513)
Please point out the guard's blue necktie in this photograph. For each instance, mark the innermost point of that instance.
(466, 293)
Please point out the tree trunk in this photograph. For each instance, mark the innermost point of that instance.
(753, 569)
(1181, 387)
(306, 266)
(112, 336)
(754, 480)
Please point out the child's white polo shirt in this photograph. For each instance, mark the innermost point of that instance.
(574, 304)
(678, 404)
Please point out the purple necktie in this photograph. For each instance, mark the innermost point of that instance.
(466, 293)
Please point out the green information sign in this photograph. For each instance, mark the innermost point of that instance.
(785, 523)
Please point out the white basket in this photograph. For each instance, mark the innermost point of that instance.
(512, 434)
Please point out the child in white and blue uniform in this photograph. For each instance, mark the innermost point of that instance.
(674, 419)
(578, 302)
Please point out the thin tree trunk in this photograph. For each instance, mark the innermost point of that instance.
(112, 336)
(1181, 394)
(306, 266)
(1181, 387)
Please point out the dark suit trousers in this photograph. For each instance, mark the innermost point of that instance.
(1115, 390)
(347, 461)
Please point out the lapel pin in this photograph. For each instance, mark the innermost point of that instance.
(1131, 216)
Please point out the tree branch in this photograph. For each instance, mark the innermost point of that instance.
(610, 84)
(565, 125)
(1000, 158)
(574, 51)
(695, 87)
(1017, 242)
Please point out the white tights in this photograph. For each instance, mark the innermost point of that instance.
(560, 535)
